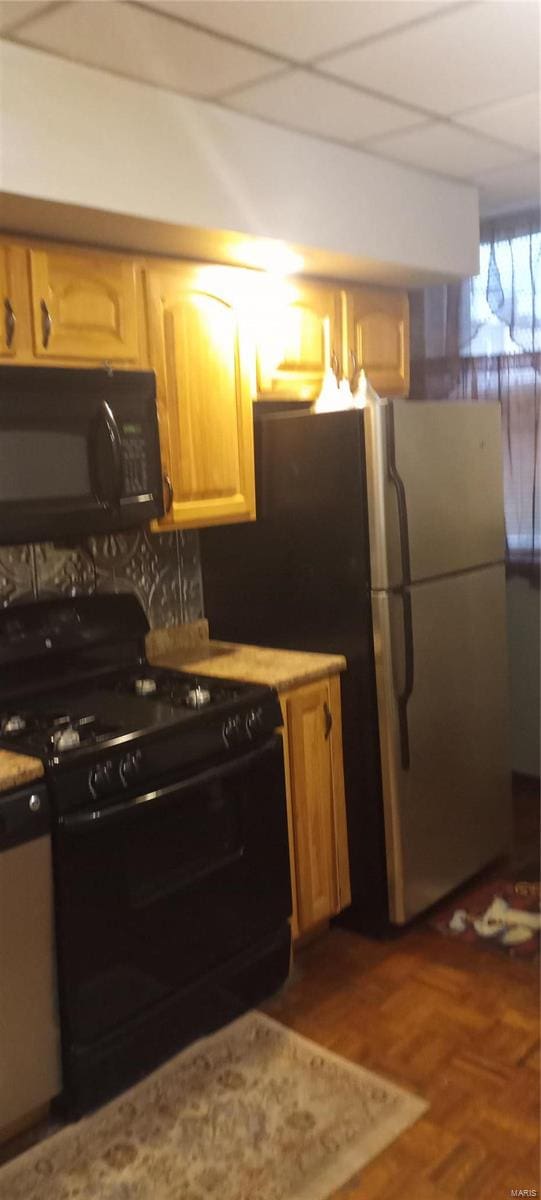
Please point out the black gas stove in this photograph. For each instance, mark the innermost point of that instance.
(169, 835)
(108, 725)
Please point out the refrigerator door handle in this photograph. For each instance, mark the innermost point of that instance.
(407, 622)
(401, 500)
(404, 695)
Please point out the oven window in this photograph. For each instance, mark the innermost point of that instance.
(43, 464)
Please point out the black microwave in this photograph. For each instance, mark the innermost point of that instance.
(79, 452)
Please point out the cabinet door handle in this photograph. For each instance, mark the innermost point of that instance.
(328, 720)
(170, 492)
(46, 324)
(10, 321)
(335, 366)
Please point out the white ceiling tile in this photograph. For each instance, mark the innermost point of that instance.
(144, 45)
(516, 121)
(12, 12)
(446, 149)
(462, 58)
(305, 101)
(510, 188)
(299, 29)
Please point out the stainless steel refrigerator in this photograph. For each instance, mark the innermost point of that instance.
(380, 535)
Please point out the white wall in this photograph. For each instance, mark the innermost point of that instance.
(523, 619)
(78, 135)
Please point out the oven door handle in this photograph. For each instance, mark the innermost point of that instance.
(83, 822)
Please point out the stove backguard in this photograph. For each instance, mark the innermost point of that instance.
(51, 643)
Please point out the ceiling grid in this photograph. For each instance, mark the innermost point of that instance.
(445, 86)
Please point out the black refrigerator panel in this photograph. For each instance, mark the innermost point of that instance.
(301, 571)
(299, 577)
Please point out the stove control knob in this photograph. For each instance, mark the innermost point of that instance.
(254, 721)
(101, 778)
(130, 768)
(232, 731)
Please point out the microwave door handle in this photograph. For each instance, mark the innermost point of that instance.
(106, 485)
(116, 452)
(94, 472)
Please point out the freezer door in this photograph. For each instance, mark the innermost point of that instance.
(444, 746)
(435, 489)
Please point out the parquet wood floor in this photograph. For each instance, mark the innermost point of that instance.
(457, 1023)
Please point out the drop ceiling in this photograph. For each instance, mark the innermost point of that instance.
(448, 87)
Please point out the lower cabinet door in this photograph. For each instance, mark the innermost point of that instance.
(314, 752)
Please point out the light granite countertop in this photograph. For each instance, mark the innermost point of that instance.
(185, 648)
(18, 769)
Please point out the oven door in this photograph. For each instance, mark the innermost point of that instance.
(79, 452)
(159, 889)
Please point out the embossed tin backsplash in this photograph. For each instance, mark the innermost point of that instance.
(162, 569)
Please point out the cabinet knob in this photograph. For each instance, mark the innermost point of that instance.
(46, 324)
(10, 321)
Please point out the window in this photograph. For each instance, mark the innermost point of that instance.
(504, 298)
(500, 353)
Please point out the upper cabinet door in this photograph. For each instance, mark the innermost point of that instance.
(14, 323)
(378, 335)
(84, 306)
(202, 369)
(298, 330)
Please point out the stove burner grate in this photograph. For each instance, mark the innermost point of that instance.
(57, 731)
(188, 692)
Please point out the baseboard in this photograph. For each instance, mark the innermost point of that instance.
(22, 1124)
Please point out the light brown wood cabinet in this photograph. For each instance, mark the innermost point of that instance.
(15, 340)
(217, 337)
(377, 334)
(318, 841)
(198, 352)
(8, 331)
(299, 329)
(84, 306)
(306, 327)
(70, 307)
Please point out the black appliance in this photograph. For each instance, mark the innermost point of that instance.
(79, 452)
(169, 828)
(299, 578)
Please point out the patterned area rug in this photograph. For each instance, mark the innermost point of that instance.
(504, 914)
(253, 1112)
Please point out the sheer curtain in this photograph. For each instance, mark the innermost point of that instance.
(481, 340)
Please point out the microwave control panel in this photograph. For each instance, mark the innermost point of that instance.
(134, 460)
